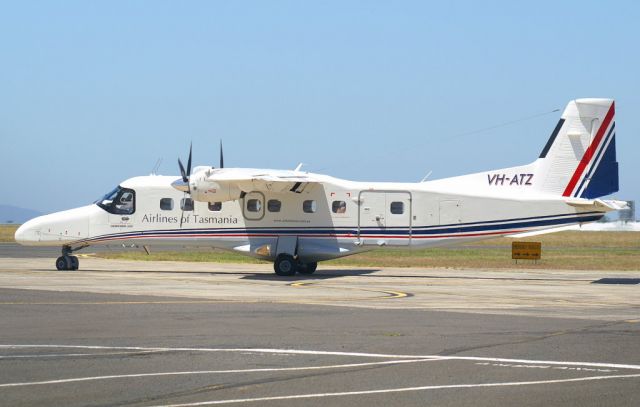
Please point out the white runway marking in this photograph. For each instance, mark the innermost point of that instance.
(395, 360)
(202, 372)
(397, 390)
(331, 353)
(580, 369)
(60, 355)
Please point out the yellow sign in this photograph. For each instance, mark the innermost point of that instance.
(526, 250)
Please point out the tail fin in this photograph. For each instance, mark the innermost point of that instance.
(579, 160)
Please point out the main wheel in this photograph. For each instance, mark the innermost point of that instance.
(285, 265)
(75, 263)
(307, 268)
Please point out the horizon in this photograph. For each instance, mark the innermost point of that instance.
(96, 93)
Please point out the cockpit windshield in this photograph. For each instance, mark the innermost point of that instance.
(120, 201)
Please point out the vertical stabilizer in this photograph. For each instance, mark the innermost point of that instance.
(579, 160)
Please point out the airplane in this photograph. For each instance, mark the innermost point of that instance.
(296, 218)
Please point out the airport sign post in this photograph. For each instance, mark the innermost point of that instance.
(526, 251)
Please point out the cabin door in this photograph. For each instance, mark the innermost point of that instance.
(384, 218)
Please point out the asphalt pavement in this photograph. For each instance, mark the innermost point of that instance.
(110, 334)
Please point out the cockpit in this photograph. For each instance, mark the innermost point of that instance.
(120, 201)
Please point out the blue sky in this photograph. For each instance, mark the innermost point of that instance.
(93, 93)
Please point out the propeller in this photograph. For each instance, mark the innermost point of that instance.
(221, 156)
(184, 184)
(187, 173)
(185, 179)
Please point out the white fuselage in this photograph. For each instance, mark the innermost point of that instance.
(323, 220)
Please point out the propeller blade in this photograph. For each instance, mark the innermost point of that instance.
(221, 156)
(189, 161)
(182, 203)
(182, 172)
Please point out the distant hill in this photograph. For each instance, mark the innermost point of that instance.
(13, 214)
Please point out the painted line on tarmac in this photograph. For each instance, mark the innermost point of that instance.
(330, 353)
(390, 294)
(204, 372)
(399, 390)
(519, 365)
(394, 295)
(120, 302)
(59, 355)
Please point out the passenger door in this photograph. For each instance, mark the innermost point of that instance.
(384, 218)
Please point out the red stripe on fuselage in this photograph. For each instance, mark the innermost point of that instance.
(588, 155)
(337, 235)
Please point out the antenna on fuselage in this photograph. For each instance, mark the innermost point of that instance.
(426, 176)
(156, 167)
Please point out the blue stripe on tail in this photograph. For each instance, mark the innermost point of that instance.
(604, 180)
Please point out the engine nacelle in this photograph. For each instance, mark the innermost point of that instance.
(204, 190)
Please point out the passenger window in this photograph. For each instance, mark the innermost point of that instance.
(254, 205)
(186, 204)
(166, 204)
(309, 206)
(214, 206)
(339, 206)
(274, 205)
(397, 208)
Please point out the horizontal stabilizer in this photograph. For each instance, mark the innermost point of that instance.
(598, 204)
(540, 232)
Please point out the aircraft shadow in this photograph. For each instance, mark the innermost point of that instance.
(248, 275)
(323, 274)
(615, 280)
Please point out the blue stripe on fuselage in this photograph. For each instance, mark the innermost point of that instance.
(508, 224)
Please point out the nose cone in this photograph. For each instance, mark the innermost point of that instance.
(58, 228)
(180, 185)
(29, 233)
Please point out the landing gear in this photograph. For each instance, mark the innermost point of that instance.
(75, 263)
(307, 268)
(285, 265)
(67, 261)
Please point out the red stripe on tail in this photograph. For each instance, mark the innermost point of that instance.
(590, 151)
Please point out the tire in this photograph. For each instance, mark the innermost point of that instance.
(75, 263)
(61, 263)
(307, 268)
(285, 265)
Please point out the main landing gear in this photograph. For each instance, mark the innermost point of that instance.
(67, 261)
(287, 265)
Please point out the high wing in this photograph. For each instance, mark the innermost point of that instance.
(266, 181)
(208, 184)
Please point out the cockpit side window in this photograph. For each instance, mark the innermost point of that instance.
(120, 201)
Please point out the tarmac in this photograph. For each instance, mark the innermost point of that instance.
(174, 333)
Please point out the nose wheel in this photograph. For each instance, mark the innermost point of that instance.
(67, 261)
